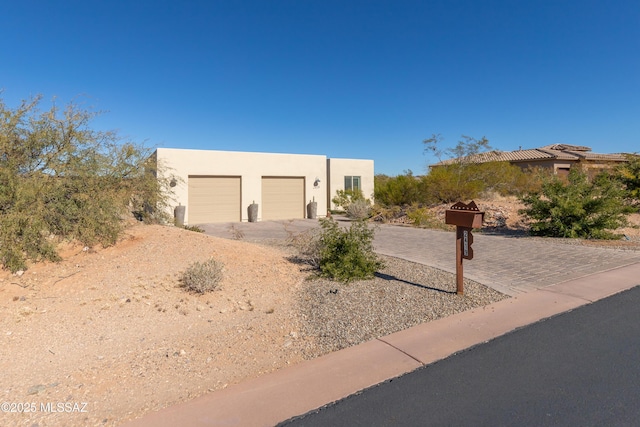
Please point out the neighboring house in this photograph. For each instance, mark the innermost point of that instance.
(559, 157)
(219, 186)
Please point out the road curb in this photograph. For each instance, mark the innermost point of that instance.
(309, 385)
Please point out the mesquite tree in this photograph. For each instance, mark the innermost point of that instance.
(59, 178)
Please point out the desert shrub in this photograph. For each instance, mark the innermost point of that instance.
(20, 238)
(421, 216)
(469, 172)
(344, 198)
(449, 183)
(193, 228)
(529, 181)
(458, 178)
(358, 209)
(309, 245)
(386, 214)
(59, 178)
(503, 178)
(202, 277)
(629, 175)
(347, 254)
(577, 207)
(397, 191)
(236, 233)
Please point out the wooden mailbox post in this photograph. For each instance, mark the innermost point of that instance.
(465, 218)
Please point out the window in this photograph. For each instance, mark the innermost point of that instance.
(352, 183)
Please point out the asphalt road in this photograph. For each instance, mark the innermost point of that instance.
(580, 368)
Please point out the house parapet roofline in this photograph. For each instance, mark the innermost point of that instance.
(566, 147)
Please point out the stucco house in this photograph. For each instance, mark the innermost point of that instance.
(559, 157)
(219, 186)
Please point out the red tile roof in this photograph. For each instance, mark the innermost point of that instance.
(550, 152)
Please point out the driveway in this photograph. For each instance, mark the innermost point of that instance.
(512, 265)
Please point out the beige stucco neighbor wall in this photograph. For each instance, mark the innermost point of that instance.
(337, 169)
(251, 167)
(551, 164)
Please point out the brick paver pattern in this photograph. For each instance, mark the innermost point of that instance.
(512, 265)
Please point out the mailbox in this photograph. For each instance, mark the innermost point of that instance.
(464, 215)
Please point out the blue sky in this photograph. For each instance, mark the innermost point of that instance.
(348, 79)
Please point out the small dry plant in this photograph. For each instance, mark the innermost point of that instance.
(236, 233)
(194, 228)
(308, 244)
(421, 216)
(290, 233)
(201, 277)
(359, 209)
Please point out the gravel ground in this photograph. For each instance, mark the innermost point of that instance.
(114, 328)
(336, 315)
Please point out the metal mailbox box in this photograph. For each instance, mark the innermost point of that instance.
(464, 215)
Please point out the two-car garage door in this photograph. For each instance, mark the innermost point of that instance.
(218, 198)
(214, 199)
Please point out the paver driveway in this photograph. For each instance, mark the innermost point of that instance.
(511, 265)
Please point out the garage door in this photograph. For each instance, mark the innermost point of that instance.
(282, 198)
(214, 199)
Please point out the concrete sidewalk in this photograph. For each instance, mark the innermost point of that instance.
(541, 293)
(276, 397)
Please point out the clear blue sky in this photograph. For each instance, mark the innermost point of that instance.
(348, 79)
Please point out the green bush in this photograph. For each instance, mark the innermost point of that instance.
(530, 180)
(421, 216)
(397, 191)
(629, 175)
(451, 183)
(454, 182)
(468, 173)
(577, 207)
(347, 254)
(505, 179)
(202, 277)
(344, 198)
(61, 179)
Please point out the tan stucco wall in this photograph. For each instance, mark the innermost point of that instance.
(251, 167)
(337, 169)
(560, 166)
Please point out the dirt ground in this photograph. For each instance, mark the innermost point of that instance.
(111, 330)
(109, 334)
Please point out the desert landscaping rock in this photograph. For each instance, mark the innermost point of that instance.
(402, 295)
